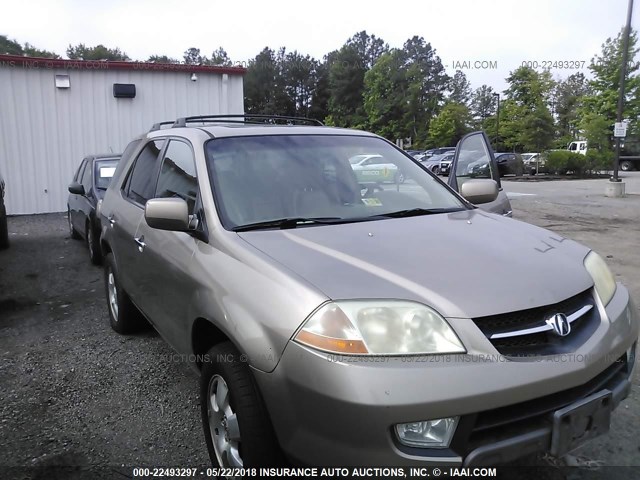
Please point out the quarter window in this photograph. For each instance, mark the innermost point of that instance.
(178, 174)
(142, 178)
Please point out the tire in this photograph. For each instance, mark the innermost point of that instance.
(626, 166)
(243, 433)
(4, 233)
(72, 231)
(93, 244)
(124, 317)
(436, 170)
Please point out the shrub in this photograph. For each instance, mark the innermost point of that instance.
(564, 161)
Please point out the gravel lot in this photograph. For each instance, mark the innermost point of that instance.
(75, 393)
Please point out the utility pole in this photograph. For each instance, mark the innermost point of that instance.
(495, 146)
(623, 75)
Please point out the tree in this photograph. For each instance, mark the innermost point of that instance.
(192, 56)
(264, 85)
(346, 86)
(567, 100)
(31, 51)
(219, 57)
(369, 47)
(385, 100)
(162, 59)
(99, 52)
(537, 130)
(450, 125)
(426, 86)
(605, 85)
(299, 74)
(10, 47)
(459, 88)
(483, 105)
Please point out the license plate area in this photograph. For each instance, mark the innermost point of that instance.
(583, 420)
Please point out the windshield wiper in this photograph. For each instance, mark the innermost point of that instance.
(284, 223)
(416, 212)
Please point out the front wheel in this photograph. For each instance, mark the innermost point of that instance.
(436, 170)
(236, 425)
(94, 246)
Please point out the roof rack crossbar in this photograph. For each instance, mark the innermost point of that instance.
(158, 126)
(182, 122)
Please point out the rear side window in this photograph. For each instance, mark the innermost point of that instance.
(86, 176)
(141, 182)
(178, 174)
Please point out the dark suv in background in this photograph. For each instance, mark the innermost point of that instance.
(85, 192)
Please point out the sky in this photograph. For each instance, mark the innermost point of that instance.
(486, 39)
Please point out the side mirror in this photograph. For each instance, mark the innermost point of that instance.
(76, 188)
(479, 191)
(167, 214)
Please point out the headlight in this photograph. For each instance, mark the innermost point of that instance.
(603, 279)
(379, 328)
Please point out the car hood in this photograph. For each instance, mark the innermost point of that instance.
(464, 264)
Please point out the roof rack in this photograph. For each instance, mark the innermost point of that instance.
(158, 126)
(248, 118)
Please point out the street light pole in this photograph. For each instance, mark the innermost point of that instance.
(495, 147)
(623, 74)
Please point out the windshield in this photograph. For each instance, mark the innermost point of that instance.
(104, 171)
(266, 178)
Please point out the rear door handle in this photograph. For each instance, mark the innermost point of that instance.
(140, 242)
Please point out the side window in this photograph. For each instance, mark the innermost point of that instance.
(142, 177)
(473, 161)
(86, 176)
(178, 174)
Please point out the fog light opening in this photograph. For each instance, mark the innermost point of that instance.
(428, 433)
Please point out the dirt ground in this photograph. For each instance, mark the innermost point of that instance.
(74, 393)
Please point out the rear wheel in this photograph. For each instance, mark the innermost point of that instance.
(72, 231)
(124, 317)
(236, 425)
(626, 166)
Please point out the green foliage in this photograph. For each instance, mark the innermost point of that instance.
(450, 125)
(564, 161)
(10, 47)
(264, 85)
(404, 90)
(483, 106)
(567, 100)
(459, 88)
(162, 59)
(99, 52)
(346, 86)
(219, 58)
(192, 56)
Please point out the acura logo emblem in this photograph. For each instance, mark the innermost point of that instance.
(560, 324)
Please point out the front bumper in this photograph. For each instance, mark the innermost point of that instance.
(329, 410)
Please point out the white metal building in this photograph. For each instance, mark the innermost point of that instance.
(55, 112)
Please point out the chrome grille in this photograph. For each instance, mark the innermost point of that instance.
(528, 332)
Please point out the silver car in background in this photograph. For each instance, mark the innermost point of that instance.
(322, 330)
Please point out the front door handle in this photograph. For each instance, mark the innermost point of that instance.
(112, 221)
(140, 242)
